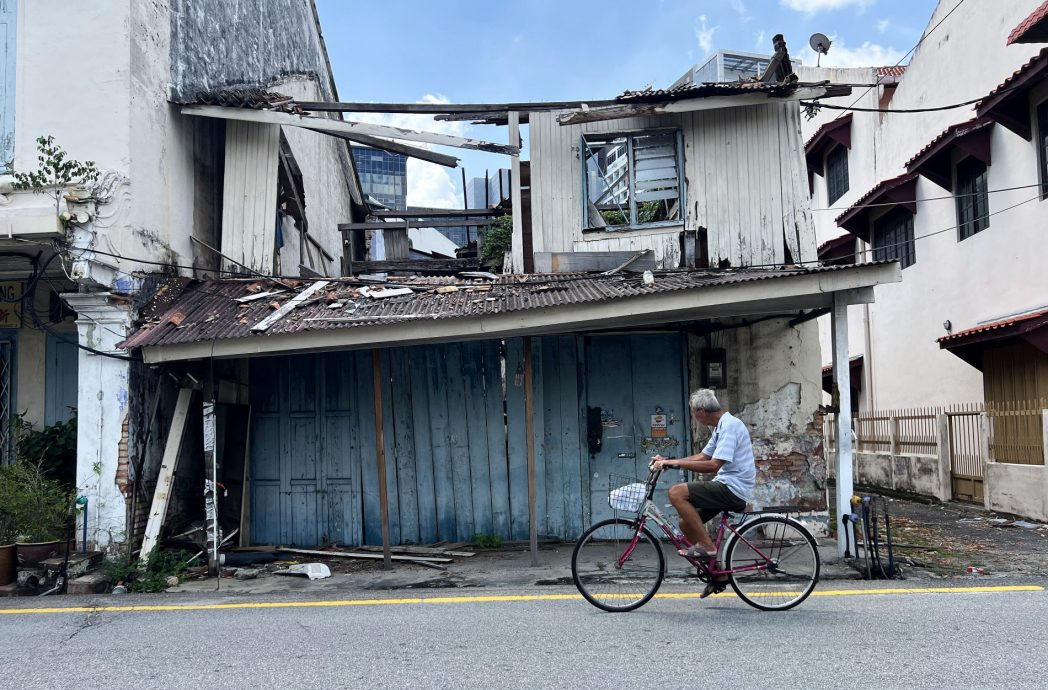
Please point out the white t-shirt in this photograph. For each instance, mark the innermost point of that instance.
(731, 443)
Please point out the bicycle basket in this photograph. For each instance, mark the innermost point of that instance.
(629, 497)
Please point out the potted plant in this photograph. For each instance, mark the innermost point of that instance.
(36, 506)
(8, 559)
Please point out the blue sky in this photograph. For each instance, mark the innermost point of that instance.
(536, 50)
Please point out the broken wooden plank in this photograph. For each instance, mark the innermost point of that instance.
(371, 556)
(574, 262)
(260, 295)
(323, 124)
(289, 306)
(438, 213)
(628, 262)
(445, 108)
(479, 274)
(168, 465)
(383, 293)
(397, 147)
(414, 265)
(420, 551)
(415, 223)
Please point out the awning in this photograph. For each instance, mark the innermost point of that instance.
(839, 251)
(1033, 29)
(834, 132)
(222, 318)
(854, 374)
(1009, 103)
(901, 191)
(934, 161)
(969, 344)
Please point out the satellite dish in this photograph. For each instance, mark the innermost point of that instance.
(820, 43)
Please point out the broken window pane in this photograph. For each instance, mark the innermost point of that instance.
(632, 180)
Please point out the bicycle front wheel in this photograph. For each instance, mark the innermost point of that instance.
(774, 563)
(616, 566)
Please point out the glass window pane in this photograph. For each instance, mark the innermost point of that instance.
(608, 183)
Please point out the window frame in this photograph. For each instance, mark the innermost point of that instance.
(1041, 114)
(898, 239)
(971, 193)
(831, 175)
(598, 138)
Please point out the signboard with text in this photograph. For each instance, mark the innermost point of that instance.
(10, 310)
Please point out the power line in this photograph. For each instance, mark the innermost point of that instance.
(932, 198)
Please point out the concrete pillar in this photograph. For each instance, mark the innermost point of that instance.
(945, 452)
(842, 379)
(102, 406)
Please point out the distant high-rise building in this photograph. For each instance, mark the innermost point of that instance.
(383, 175)
(728, 65)
(475, 189)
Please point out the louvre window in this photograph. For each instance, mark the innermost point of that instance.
(633, 180)
(893, 238)
(836, 173)
(973, 203)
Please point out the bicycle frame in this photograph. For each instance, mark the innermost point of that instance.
(650, 511)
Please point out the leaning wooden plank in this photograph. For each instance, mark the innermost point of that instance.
(573, 262)
(344, 554)
(162, 494)
(289, 306)
(259, 295)
(419, 551)
(403, 149)
(323, 124)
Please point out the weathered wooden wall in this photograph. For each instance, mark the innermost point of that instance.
(455, 445)
(745, 175)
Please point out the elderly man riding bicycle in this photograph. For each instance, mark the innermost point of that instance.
(729, 453)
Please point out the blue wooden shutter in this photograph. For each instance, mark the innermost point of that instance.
(8, 28)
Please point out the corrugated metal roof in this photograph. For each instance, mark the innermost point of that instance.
(252, 99)
(208, 310)
(995, 326)
(707, 89)
(1029, 24)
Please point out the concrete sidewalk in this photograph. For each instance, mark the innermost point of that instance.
(489, 569)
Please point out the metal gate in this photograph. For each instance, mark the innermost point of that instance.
(966, 455)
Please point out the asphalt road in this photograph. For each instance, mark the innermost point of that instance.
(844, 637)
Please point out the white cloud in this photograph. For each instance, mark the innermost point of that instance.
(740, 9)
(813, 6)
(758, 40)
(882, 26)
(704, 34)
(866, 55)
(428, 184)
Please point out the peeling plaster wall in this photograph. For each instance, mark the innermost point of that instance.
(774, 387)
(209, 50)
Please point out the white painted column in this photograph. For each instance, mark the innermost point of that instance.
(102, 404)
(842, 379)
(515, 196)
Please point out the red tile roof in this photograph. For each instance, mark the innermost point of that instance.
(1013, 80)
(850, 220)
(952, 132)
(1026, 319)
(1033, 29)
(893, 71)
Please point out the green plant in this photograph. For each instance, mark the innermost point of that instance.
(56, 172)
(149, 578)
(53, 448)
(496, 241)
(487, 541)
(34, 506)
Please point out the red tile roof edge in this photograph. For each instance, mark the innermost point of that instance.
(996, 325)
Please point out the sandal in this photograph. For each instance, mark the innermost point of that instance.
(698, 553)
(713, 588)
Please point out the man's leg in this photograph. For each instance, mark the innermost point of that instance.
(690, 522)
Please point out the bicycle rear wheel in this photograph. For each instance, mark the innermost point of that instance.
(776, 563)
(617, 567)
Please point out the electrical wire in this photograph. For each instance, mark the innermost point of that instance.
(933, 198)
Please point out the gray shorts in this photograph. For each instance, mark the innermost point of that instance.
(710, 498)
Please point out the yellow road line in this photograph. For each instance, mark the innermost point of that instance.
(491, 598)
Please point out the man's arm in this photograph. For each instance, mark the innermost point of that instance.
(699, 462)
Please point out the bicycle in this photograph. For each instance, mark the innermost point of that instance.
(771, 560)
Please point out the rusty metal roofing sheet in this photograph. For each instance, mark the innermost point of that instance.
(1033, 28)
(707, 89)
(209, 310)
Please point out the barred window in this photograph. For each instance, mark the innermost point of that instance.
(973, 203)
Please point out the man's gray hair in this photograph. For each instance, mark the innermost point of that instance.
(704, 399)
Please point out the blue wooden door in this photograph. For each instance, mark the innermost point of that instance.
(637, 382)
(60, 378)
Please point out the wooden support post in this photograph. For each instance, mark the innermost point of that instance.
(529, 437)
(842, 379)
(211, 521)
(380, 453)
(162, 494)
(515, 198)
